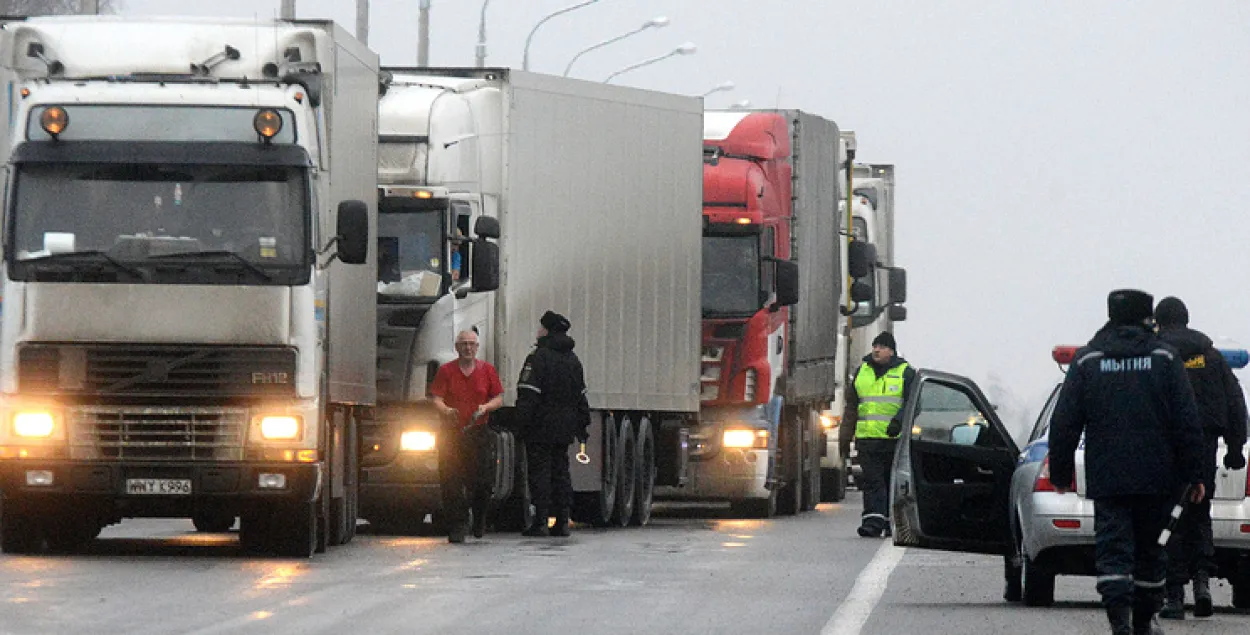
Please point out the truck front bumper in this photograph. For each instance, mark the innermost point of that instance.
(408, 484)
(733, 474)
(103, 486)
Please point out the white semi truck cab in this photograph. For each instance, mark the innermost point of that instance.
(187, 323)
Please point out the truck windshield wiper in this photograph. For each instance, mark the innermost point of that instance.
(218, 254)
(93, 256)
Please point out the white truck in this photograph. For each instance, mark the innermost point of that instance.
(592, 193)
(873, 299)
(187, 279)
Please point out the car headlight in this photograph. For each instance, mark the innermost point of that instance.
(34, 424)
(745, 439)
(416, 441)
(281, 428)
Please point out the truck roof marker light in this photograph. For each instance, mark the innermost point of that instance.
(267, 123)
(299, 97)
(54, 121)
(25, 93)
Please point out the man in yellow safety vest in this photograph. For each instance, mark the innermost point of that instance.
(874, 404)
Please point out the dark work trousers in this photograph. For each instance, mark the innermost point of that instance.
(1192, 548)
(464, 479)
(551, 488)
(876, 460)
(1131, 565)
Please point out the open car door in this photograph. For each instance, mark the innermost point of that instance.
(952, 471)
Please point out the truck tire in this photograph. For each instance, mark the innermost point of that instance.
(1039, 585)
(517, 512)
(755, 507)
(66, 534)
(212, 521)
(595, 508)
(19, 530)
(790, 466)
(833, 485)
(342, 522)
(645, 472)
(294, 532)
(627, 475)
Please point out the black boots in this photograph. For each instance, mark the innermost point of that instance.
(537, 528)
(1121, 618)
(1203, 607)
(1145, 608)
(561, 528)
(1174, 607)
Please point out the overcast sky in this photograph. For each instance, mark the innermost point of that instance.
(1046, 152)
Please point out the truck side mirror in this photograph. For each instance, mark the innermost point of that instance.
(861, 291)
(352, 232)
(486, 227)
(860, 256)
(787, 283)
(485, 264)
(898, 285)
(896, 313)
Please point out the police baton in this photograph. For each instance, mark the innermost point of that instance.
(1174, 518)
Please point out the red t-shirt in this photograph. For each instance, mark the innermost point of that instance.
(463, 393)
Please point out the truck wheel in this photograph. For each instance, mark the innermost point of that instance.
(790, 466)
(295, 531)
(19, 530)
(517, 512)
(645, 472)
(755, 507)
(212, 522)
(70, 535)
(832, 485)
(596, 508)
(1039, 585)
(626, 476)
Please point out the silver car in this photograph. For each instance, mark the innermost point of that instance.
(961, 484)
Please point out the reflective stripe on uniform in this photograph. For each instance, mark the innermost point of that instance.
(1146, 584)
(1114, 578)
(866, 516)
(529, 387)
(891, 400)
(875, 418)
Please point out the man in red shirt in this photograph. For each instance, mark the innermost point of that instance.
(462, 389)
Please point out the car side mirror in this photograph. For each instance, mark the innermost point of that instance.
(860, 256)
(486, 227)
(787, 283)
(485, 264)
(898, 285)
(896, 313)
(352, 232)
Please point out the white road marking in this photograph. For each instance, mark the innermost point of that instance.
(869, 587)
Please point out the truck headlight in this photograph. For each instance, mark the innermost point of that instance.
(745, 439)
(416, 441)
(33, 424)
(281, 427)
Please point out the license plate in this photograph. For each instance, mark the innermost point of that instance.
(158, 486)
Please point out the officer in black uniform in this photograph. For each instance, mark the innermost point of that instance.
(1126, 391)
(1222, 411)
(552, 411)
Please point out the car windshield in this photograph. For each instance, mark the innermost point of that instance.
(136, 212)
(410, 249)
(731, 275)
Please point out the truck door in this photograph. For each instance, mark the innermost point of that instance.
(952, 471)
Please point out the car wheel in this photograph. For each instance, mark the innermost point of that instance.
(1241, 593)
(1039, 585)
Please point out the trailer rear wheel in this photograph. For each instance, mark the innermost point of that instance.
(645, 472)
(833, 485)
(626, 477)
(19, 530)
(596, 508)
(790, 466)
(517, 512)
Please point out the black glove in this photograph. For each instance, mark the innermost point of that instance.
(583, 436)
(1234, 460)
(895, 427)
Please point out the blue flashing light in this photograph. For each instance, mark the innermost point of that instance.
(1236, 357)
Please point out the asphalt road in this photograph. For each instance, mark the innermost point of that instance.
(694, 570)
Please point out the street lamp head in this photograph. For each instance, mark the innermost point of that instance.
(745, 103)
(658, 22)
(726, 86)
(686, 49)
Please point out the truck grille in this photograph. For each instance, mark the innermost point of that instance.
(158, 371)
(157, 434)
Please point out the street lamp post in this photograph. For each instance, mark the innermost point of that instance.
(525, 57)
(423, 33)
(719, 88)
(288, 10)
(480, 54)
(652, 23)
(685, 49)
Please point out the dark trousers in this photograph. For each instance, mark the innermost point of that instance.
(1131, 565)
(1192, 548)
(462, 475)
(551, 488)
(876, 460)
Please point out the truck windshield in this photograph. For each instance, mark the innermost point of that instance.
(197, 219)
(410, 248)
(731, 276)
